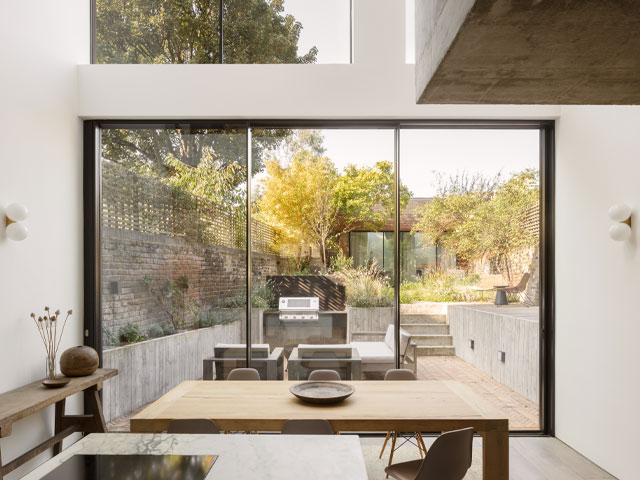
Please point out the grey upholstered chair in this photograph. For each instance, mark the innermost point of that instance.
(307, 427)
(324, 375)
(449, 458)
(402, 374)
(244, 374)
(192, 425)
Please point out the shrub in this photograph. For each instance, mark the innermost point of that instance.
(109, 338)
(367, 287)
(173, 298)
(130, 333)
(262, 296)
(212, 318)
(168, 330)
(440, 286)
(155, 331)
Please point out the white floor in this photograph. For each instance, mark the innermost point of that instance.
(538, 458)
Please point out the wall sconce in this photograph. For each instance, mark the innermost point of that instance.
(621, 214)
(472, 344)
(16, 213)
(501, 356)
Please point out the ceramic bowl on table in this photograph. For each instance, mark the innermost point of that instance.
(322, 393)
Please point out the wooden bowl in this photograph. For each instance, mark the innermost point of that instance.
(322, 393)
(56, 382)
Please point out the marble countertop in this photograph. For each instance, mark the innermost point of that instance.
(240, 457)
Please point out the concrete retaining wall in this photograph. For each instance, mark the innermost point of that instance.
(149, 369)
(513, 330)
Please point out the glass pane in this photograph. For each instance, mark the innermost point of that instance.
(254, 31)
(173, 253)
(470, 262)
(323, 202)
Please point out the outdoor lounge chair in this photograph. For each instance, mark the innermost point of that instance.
(227, 356)
(379, 356)
(520, 288)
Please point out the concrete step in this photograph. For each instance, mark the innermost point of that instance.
(433, 340)
(408, 318)
(427, 351)
(439, 308)
(426, 328)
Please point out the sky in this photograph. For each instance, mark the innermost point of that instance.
(326, 25)
(425, 151)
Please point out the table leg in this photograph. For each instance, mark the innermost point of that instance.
(100, 426)
(207, 369)
(58, 424)
(495, 455)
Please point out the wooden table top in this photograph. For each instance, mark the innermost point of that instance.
(430, 406)
(22, 402)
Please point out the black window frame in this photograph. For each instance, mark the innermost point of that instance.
(92, 201)
(93, 55)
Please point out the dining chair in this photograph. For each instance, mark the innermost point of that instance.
(449, 458)
(324, 375)
(402, 374)
(307, 427)
(244, 374)
(192, 425)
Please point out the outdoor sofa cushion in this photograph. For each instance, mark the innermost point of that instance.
(404, 339)
(374, 352)
(325, 351)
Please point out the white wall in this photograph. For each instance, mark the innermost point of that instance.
(379, 84)
(598, 287)
(41, 42)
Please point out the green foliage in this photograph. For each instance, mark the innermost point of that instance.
(367, 287)
(309, 202)
(262, 296)
(341, 263)
(186, 31)
(213, 318)
(155, 331)
(168, 330)
(130, 333)
(109, 338)
(439, 286)
(173, 298)
(476, 218)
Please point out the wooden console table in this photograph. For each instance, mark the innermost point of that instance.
(22, 402)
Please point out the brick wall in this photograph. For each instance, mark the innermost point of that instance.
(214, 273)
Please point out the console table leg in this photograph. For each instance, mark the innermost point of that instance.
(58, 427)
(96, 408)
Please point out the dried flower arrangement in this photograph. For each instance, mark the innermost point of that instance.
(51, 335)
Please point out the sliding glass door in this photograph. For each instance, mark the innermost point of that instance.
(349, 247)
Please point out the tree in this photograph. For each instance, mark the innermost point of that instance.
(186, 31)
(297, 201)
(475, 217)
(308, 202)
(365, 197)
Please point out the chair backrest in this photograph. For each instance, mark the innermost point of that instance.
(307, 427)
(522, 285)
(449, 457)
(324, 375)
(400, 374)
(389, 339)
(239, 350)
(244, 374)
(192, 425)
(325, 351)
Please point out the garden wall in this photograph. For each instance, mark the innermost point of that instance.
(364, 321)
(149, 369)
(214, 272)
(513, 330)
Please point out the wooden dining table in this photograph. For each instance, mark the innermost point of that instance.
(376, 406)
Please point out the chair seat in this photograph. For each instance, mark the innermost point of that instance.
(374, 352)
(404, 470)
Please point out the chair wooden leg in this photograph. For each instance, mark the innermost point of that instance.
(393, 447)
(417, 436)
(424, 447)
(386, 439)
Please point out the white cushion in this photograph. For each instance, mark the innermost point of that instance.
(404, 339)
(330, 351)
(374, 352)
